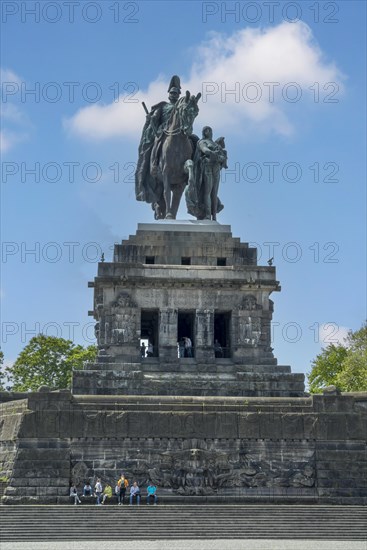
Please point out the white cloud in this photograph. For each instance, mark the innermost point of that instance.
(14, 120)
(6, 75)
(9, 139)
(332, 333)
(123, 118)
(282, 54)
(5, 142)
(12, 113)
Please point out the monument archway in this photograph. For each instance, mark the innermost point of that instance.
(149, 329)
(186, 327)
(222, 331)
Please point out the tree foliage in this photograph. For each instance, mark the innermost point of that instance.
(48, 360)
(344, 366)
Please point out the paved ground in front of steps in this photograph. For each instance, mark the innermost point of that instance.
(189, 545)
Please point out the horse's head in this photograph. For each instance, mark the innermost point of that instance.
(188, 110)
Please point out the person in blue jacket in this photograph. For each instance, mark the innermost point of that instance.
(151, 493)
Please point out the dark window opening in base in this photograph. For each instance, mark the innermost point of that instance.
(222, 343)
(149, 259)
(185, 261)
(185, 334)
(149, 332)
(221, 261)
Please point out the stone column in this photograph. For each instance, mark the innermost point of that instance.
(204, 335)
(168, 334)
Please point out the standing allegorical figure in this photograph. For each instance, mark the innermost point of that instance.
(202, 193)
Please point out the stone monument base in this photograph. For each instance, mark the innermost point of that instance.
(186, 377)
(195, 449)
(181, 280)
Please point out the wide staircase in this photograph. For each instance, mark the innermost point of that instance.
(42, 523)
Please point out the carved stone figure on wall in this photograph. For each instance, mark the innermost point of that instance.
(249, 302)
(207, 471)
(192, 466)
(124, 328)
(250, 330)
(256, 331)
(124, 300)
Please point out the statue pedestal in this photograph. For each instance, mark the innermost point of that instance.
(226, 425)
(185, 279)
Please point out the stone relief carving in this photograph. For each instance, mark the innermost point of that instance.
(249, 303)
(79, 473)
(113, 326)
(124, 300)
(249, 330)
(123, 328)
(207, 471)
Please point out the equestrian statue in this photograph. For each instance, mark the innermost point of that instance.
(172, 158)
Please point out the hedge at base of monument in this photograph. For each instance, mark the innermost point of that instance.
(195, 449)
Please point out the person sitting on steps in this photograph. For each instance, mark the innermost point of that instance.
(152, 493)
(98, 491)
(74, 495)
(87, 491)
(107, 493)
(134, 493)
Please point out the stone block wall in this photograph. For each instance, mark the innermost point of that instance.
(12, 414)
(41, 472)
(310, 449)
(184, 379)
(149, 274)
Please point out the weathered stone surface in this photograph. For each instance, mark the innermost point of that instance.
(234, 447)
(193, 277)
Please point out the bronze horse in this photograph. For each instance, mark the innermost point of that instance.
(176, 149)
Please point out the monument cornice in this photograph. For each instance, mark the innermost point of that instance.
(161, 282)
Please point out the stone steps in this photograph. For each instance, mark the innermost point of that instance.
(27, 523)
(221, 366)
(188, 376)
(110, 382)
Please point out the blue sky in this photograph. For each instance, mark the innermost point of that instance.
(295, 135)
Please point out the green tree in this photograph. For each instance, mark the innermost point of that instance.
(48, 360)
(353, 376)
(344, 366)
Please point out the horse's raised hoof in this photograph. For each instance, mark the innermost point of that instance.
(169, 217)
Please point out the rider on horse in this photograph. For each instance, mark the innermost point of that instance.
(150, 144)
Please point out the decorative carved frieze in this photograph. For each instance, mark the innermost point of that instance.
(201, 467)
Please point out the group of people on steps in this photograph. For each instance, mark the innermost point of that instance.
(102, 494)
